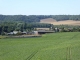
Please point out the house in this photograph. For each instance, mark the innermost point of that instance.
(13, 33)
(35, 32)
(24, 32)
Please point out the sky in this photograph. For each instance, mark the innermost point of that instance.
(40, 7)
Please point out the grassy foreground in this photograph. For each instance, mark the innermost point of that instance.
(56, 46)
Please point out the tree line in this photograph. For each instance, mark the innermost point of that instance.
(9, 23)
(37, 18)
(7, 27)
(67, 28)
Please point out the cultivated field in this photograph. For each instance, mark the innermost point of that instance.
(54, 22)
(55, 46)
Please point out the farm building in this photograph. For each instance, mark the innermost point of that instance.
(43, 32)
(42, 29)
(35, 32)
(11, 33)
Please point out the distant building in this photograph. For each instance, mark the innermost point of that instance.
(11, 33)
(46, 29)
(15, 32)
(35, 32)
(24, 32)
(43, 30)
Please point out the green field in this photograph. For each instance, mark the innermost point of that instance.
(56, 46)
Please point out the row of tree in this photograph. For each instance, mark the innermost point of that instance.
(7, 27)
(36, 18)
(67, 28)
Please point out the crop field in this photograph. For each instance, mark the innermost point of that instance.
(54, 46)
(64, 22)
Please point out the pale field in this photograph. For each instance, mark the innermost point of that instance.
(54, 22)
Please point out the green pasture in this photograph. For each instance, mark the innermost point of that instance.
(55, 46)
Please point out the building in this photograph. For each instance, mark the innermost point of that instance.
(43, 32)
(46, 29)
(15, 32)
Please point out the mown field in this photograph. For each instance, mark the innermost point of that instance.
(56, 46)
(63, 22)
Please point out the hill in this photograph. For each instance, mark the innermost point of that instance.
(48, 20)
(37, 18)
(63, 22)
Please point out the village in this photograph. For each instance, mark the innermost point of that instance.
(38, 32)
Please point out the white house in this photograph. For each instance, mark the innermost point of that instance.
(15, 32)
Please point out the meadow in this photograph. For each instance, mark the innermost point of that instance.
(54, 46)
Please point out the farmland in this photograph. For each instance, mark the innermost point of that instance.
(63, 22)
(55, 46)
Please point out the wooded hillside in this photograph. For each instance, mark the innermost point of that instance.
(37, 18)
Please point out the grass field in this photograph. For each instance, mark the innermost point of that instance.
(56, 46)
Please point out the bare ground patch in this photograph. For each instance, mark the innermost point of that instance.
(54, 22)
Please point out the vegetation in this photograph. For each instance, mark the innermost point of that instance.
(66, 17)
(1, 37)
(36, 18)
(56, 46)
(7, 27)
(22, 18)
(67, 28)
(9, 23)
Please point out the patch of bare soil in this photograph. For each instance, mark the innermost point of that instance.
(64, 22)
